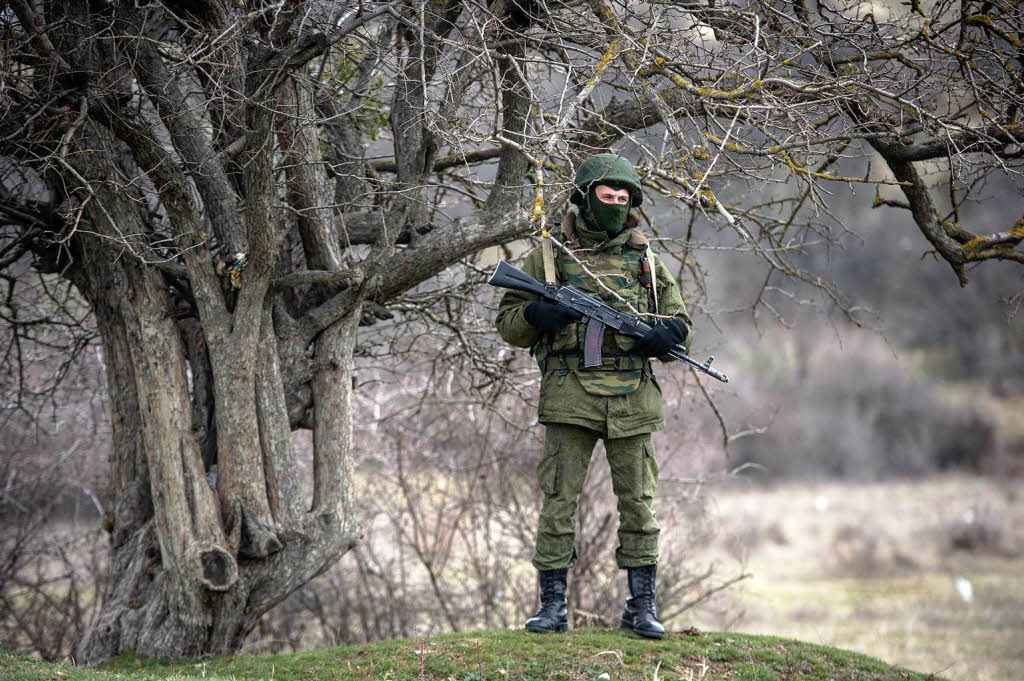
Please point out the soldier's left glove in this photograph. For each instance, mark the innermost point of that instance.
(662, 337)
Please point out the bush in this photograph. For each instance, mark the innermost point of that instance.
(51, 561)
(856, 412)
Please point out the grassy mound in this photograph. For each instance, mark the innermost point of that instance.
(583, 654)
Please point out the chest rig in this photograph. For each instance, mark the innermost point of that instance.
(627, 270)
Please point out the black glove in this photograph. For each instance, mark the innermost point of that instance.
(663, 336)
(548, 317)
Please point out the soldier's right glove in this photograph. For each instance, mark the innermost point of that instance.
(662, 337)
(548, 317)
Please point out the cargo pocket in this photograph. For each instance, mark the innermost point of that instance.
(547, 467)
(636, 294)
(625, 343)
(649, 475)
(568, 339)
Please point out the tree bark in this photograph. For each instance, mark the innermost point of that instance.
(168, 550)
(194, 569)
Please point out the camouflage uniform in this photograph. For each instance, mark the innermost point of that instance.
(619, 402)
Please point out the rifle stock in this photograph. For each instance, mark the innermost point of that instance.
(509, 276)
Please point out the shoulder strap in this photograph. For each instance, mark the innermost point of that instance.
(547, 250)
(639, 240)
(549, 260)
(654, 275)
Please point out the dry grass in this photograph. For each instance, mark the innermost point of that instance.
(874, 568)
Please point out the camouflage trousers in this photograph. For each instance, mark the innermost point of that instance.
(561, 472)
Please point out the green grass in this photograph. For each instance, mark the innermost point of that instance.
(583, 654)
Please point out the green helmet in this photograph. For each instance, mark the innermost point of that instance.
(610, 169)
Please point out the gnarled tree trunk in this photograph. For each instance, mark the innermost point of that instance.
(226, 300)
(185, 582)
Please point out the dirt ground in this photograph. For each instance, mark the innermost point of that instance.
(927, 573)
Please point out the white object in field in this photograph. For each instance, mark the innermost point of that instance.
(965, 589)
(821, 504)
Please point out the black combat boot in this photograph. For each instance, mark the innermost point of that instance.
(640, 614)
(554, 612)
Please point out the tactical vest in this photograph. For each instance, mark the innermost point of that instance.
(622, 271)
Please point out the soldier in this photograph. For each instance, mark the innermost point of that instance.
(618, 402)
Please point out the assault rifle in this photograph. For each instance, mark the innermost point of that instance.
(594, 313)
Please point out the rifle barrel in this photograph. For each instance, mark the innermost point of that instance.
(705, 367)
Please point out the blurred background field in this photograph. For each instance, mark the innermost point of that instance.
(923, 573)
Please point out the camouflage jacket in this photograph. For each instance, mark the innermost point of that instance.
(622, 397)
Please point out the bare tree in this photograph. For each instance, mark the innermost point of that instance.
(234, 187)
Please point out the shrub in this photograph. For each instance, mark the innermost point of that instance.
(855, 412)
